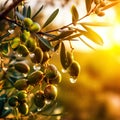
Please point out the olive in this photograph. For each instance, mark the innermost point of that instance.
(22, 67)
(51, 71)
(39, 99)
(35, 77)
(27, 22)
(50, 92)
(74, 69)
(22, 95)
(23, 108)
(35, 27)
(13, 101)
(21, 84)
(57, 79)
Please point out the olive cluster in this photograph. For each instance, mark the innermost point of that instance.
(29, 67)
(100, 4)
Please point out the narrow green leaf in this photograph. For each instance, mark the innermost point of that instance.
(39, 10)
(29, 12)
(88, 4)
(75, 15)
(63, 56)
(45, 42)
(96, 24)
(92, 35)
(20, 16)
(110, 5)
(24, 13)
(63, 35)
(51, 18)
(73, 36)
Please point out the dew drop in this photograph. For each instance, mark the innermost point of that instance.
(64, 71)
(47, 102)
(32, 55)
(73, 79)
(37, 67)
(25, 74)
(11, 31)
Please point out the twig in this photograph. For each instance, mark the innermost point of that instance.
(9, 8)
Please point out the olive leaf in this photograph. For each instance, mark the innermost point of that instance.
(64, 57)
(92, 35)
(63, 34)
(29, 12)
(24, 13)
(51, 18)
(19, 15)
(110, 5)
(75, 15)
(96, 24)
(39, 10)
(5, 48)
(45, 42)
(88, 4)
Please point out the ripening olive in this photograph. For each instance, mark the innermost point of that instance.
(15, 43)
(96, 1)
(22, 50)
(45, 57)
(27, 22)
(24, 35)
(39, 99)
(23, 108)
(57, 79)
(30, 44)
(35, 77)
(22, 96)
(13, 101)
(51, 71)
(38, 55)
(22, 67)
(50, 92)
(35, 27)
(21, 84)
(74, 69)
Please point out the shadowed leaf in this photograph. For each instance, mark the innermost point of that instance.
(45, 42)
(88, 4)
(51, 18)
(75, 15)
(92, 35)
(110, 5)
(29, 12)
(63, 35)
(63, 56)
(37, 12)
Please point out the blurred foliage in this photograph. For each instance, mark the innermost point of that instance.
(42, 76)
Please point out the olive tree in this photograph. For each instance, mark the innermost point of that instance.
(28, 80)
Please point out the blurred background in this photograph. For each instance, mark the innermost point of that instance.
(96, 93)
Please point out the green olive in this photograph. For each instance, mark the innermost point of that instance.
(30, 44)
(22, 67)
(74, 69)
(27, 22)
(50, 92)
(39, 99)
(22, 50)
(13, 101)
(22, 95)
(23, 108)
(51, 71)
(35, 27)
(21, 84)
(24, 36)
(35, 77)
(15, 42)
(57, 79)
(38, 55)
